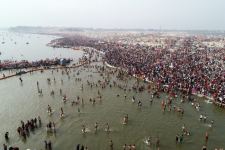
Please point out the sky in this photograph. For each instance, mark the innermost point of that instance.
(146, 14)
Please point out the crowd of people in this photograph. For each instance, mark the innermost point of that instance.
(191, 72)
(5, 65)
(24, 131)
(184, 64)
(198, 72)
(25, 128)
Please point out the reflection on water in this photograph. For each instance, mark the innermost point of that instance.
(22, 102)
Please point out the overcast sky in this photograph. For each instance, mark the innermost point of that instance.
(167, 14)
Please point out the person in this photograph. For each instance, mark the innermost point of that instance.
(60, 91)
(82, 87)
(107, 127)
(93, 101)
(133, 147)
(40, 92)
(177, 138)
(82, 147)
(151, 100)
(83, 129)
(13, 148)
(204, 148)
(53, 126)
(182, 112)
(50, 145)
(62, 113)
(204, 118)
(82, 101)
(125, 147)
(111, 145)
(5, 147)
(7, 136)
(157, 142)
(133, 99)
(149, 141)
(206, 137)
(52, 93)
(125, 119)
(39, 120)
(20, 79)
(96, 126)
(183, 128)
(211, 123)
(78, 147)
(139, 103)
(46, 144)
(181, 138)
(64, 98)
(49, 109)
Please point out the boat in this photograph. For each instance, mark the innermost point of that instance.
(27, 43)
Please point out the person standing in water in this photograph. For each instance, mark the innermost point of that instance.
(62, 113)
(83, 129)
(111, 145)
(37, 84)
(82, 147)
(157, 142)
(78, 147)
(107, 127)
(60, 91)
(139, 104)
(206, 137)
(133, 99)
(5, 147)
(204, 148)
(46, 144)
(7, 136)
(125, 119)
(177, 139)
(50, 145)
(96, 127)
(21, 81)
(53, 125)
(49, 109)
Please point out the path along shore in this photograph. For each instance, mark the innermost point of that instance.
(42, 69)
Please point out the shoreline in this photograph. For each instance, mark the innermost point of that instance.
(42, 69)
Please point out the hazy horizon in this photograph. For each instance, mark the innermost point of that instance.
(120, 14)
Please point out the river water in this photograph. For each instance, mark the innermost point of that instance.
(22, 102)
(31, 47)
